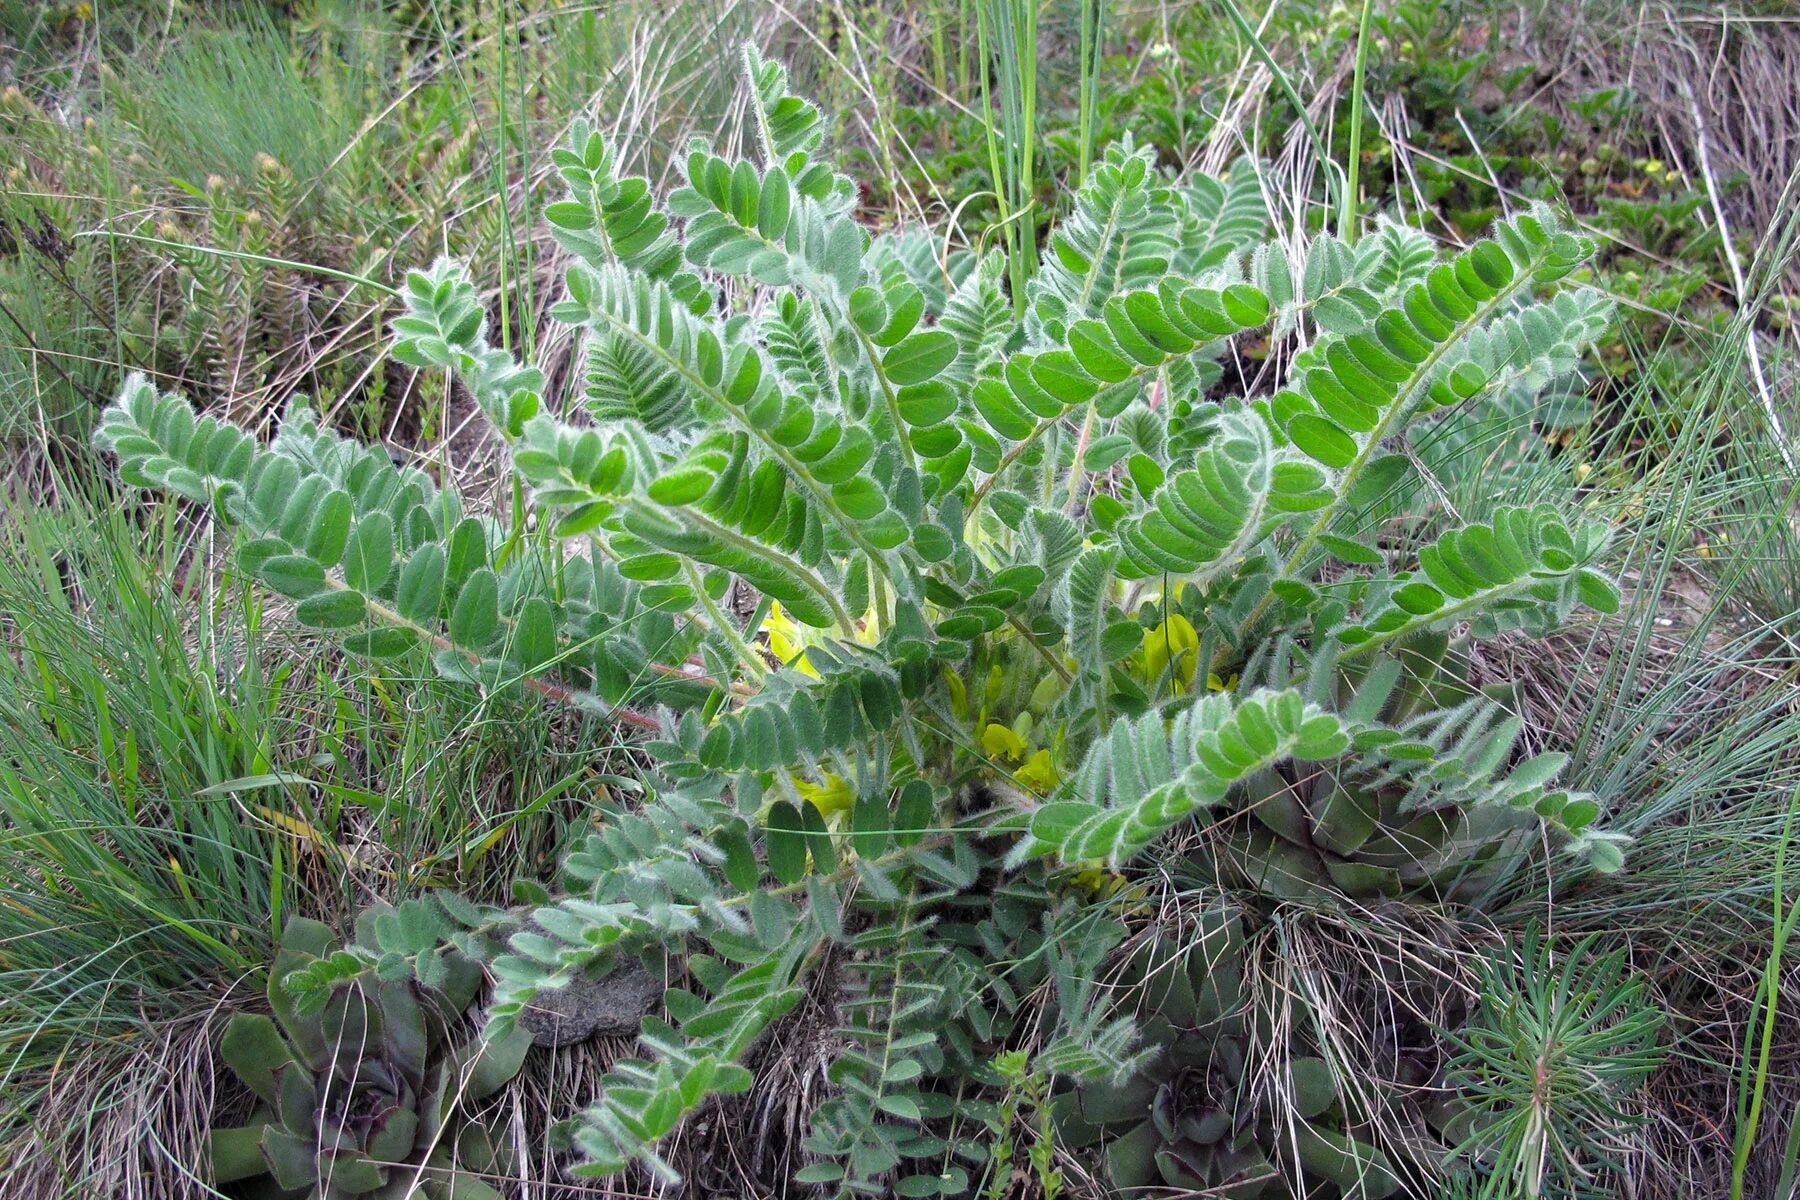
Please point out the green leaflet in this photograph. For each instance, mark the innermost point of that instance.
(1098, 633)
(1124, 230)
(1204, 515)
(1523, 550)
(920, 357)
(1354, 383)
(1142, 779)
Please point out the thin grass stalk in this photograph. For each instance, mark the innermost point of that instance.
(1347, 222)
(1753, 1080)
(1334, 180)
(940, 58)
(1007, 33)
(1090, 85)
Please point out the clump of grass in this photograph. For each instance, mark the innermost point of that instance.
(132, 896)
(175, 783)
(379, 136)
(1009, 42)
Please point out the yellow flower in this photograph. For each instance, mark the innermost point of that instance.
(831, 798)
(786, 639)
(1100, 883)
(1001, 741)
(1097, 881)
(1175, 643)
(959, 694)
(1039, 773)
(996, 684)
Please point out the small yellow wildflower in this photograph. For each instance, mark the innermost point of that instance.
(996, 685)
(1002, 742)
(1175, 643)
(786, 640)
(959, 694)
(831, 798)
(1039, 773)
(1097, 881)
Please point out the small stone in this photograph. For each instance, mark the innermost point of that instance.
(614, 1006)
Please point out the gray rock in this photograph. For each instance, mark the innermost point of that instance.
(614, 1006)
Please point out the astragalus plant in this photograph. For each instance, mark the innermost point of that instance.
(934, 619)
